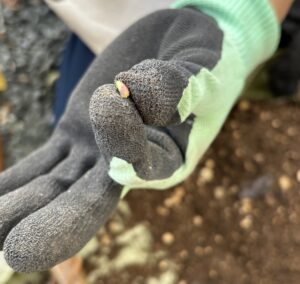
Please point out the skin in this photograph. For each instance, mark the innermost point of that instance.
(281, 8)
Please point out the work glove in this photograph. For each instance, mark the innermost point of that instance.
(160, 94)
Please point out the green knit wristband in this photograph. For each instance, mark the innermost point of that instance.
(250, 24)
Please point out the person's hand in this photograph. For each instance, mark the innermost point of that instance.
(55, 200)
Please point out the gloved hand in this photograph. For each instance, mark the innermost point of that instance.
(56, 199)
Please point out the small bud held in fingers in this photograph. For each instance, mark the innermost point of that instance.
(122, 88)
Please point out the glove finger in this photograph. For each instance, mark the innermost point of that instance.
(18, 204)
(120, 132)
(36, 164)
(118, 128)
(156, 88)
(60, 229)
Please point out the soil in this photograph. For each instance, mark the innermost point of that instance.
(236, 219)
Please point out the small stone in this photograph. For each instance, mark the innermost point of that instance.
(236, 135)
(163, 265)
(246, 206)
(168, 238)
(5, 113)
(246, 223)
(162, 211)
(293, 217)
(239, 152)
(259, 158)
(3, 83)
(271, 200)
(265, 116)
(208, 250)
(197, 220)
(210, 163)
(206, 174)
(24, 78)
(298, 175)
(115, 227)
(292, 131)
(123, 90)
(176, 198)
(183, 254)
(218, 239)
(50, 79)
(284, 183)
(233, 189)
(244, 105)
(213, 274)
(219, 192)
(105, 240)
(281, 211)
(276, 123)
(199, 251)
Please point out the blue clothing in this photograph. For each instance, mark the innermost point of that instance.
(76, 59)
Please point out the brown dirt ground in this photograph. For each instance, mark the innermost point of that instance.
(236, 219)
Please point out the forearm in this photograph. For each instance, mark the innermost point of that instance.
(281, 8)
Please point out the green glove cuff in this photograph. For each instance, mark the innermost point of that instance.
(251, 24)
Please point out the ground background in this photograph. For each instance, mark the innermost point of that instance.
(235, 220)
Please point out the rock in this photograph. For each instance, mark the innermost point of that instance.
(219, 192)
(168, 238)
(206, 175)
(284, 183)
(293, 217)
(183, 254)
(276, 123)
(105, 240)
(247, 222)
(208, 250)
(197, 220)
(176, 198)
(298, 176)
(163, 265)
(213, 274)
(218, 239)
(259, 158)
(246, 206)
(3, 84)
(116, 227)
(199, 251)
(292, 131)
(162, 211)
(244, 105)
(210, 163)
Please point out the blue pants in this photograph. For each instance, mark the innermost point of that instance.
(76, 59)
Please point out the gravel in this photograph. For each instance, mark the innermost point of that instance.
(30, 49)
